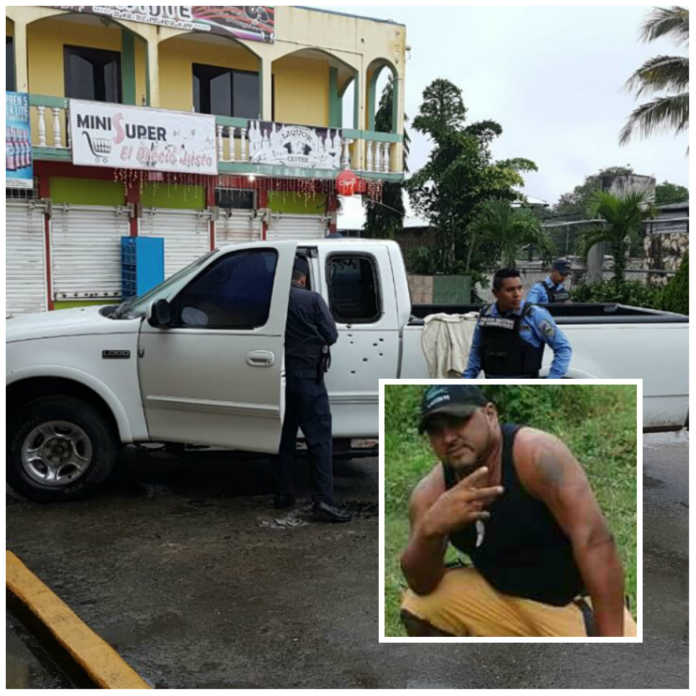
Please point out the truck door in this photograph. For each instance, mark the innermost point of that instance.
(360, 293)
(215, 376)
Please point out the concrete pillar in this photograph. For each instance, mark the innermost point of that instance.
(595, 258)
(21, 61)
(266, 106)
(153, 72)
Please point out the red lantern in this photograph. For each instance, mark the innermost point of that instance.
(346, 182)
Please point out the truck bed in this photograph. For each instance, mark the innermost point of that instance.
(574, 313)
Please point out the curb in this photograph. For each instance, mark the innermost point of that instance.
(100, 662)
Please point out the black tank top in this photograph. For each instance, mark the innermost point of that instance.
(524, 552)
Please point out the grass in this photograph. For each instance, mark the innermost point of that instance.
(597, 423)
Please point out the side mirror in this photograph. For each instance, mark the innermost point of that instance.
(160, 314)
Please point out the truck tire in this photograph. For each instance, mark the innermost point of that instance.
(59, 448)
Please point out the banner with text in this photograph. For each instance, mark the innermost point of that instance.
(135, 137)
(254, 23)
(19, 171)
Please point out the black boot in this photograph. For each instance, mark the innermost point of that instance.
(325, 512)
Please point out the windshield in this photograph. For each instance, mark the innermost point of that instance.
(164, 291)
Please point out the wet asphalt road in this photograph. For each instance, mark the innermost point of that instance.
(186, 570)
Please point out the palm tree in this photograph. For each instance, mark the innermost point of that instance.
(669, 73)
(623, 218)
(506, 229)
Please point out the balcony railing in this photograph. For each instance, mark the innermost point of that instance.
(240, 148)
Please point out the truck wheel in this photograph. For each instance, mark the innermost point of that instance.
(59, 448)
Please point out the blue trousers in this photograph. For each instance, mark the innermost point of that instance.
(307, 407)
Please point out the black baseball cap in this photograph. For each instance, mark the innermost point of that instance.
(456, 400)
(562, 266)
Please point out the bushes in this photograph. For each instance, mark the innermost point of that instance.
(629, 292)
(675, 296)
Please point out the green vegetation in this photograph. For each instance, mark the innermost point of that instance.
(623, 222)
(629, 292)
(675, 296)
(666, 193)
(661, 73)
(598, 423)
(459, 175)
(505, 229)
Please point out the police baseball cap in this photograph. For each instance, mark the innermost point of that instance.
(456, 400)
(301, 265)
(562, 266)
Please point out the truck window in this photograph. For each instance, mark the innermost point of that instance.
(232, 293)
(353, 288)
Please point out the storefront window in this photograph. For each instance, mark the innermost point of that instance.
(225, 92)
(91, 73)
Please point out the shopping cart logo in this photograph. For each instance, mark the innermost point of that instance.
(100, 147)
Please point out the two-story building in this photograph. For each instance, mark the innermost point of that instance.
(198, 124)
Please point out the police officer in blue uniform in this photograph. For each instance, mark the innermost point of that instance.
(510, 335)
(309, 331)
(551, 289)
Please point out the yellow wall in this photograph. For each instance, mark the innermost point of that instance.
(301, 91)
(45, 41)
(176, 59)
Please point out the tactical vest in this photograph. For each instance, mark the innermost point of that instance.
(520, 550)
(560, 295)
(504, 353)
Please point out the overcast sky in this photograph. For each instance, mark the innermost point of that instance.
(553, 76)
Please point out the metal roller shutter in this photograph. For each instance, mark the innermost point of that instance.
(86, 250)
(238, 227)
(25, 256)
(285, 226)
(186, 235)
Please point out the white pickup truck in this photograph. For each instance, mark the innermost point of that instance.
(199, 359)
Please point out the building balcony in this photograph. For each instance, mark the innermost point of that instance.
(249, 146)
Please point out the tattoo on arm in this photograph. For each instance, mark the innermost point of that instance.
(550, 468)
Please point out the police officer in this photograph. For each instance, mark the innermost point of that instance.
(310, 329)
(551, 289)
(510, 335)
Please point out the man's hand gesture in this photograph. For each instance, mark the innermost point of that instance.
(460, 505)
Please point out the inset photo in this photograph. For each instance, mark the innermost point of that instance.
(511, 512)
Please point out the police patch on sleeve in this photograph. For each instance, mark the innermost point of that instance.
(547, 328)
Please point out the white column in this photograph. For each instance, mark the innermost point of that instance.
(266, 89)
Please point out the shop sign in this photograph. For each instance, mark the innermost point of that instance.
(294, 146)
(254, 23)
(133, 137)
(19, 172)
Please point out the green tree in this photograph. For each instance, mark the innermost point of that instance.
(503, 230)
(669, 74)
(458, 175)
(623, 217)
(666, 193)
(386, 217)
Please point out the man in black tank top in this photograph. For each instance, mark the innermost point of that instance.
(517, 502)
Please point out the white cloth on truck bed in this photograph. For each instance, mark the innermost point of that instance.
(445, 342)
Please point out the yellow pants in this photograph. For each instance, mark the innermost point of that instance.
(464, 604)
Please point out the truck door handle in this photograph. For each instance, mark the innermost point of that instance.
(260, 358)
